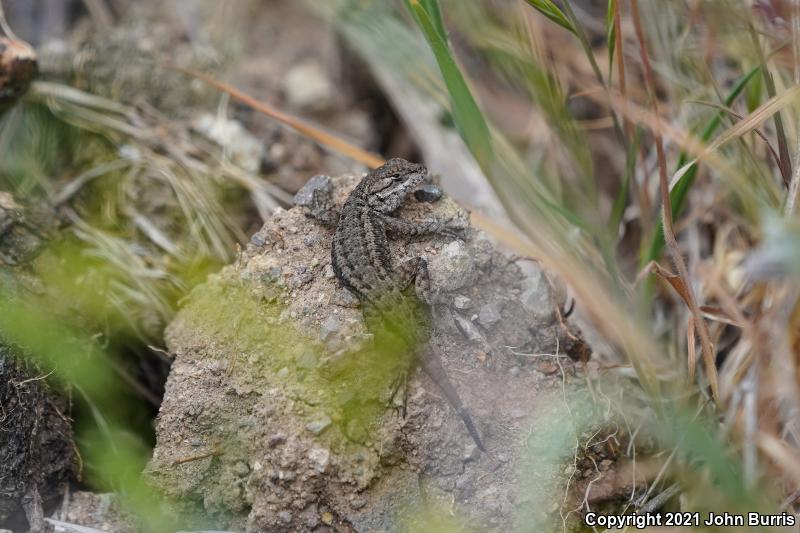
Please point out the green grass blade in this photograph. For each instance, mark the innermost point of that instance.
(611, 36)
(435, 13)
(618, 210)
(551, 11)
(467, 116)
(681, 189)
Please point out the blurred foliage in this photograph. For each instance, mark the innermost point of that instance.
(145, 208)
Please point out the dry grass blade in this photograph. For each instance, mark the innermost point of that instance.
(666, 210)
(777, 450)
(313, 132)
(757, 131)
(747, 124)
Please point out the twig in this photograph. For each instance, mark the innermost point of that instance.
(659, 499)
(322, 137)
(666, 213)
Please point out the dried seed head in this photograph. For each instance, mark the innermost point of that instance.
(17, 69)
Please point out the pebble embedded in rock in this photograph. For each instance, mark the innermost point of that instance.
(330, 326)
(518, 413)
(307, 360)
(344, 298)
(319, 425)
(320, 457)
(467, 328)
(489, 315)
(276, 440)
(428, 193)
(285, 517)
(453, 268)
(462, 302)
(306, 193)
(358, 502)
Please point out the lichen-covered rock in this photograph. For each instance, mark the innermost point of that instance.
(278, 411)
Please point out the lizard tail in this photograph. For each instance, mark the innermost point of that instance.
(433, 367)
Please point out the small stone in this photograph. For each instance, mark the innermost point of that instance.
(320, 457)
(428, 193)
(344, 298)
(538, 296)
(240, 468)
(330, 326)
(244, 149)
(327, 518)
(329, 273)
(518, 413)
(305, 195)
(276, 440)
(307, 87)
(462, 302)
(502, 457)
(467, 328)
(283, 373)
(319, 425)
(489, 315)
(285, 517)
(547, 367)
(453, 268)
(357, 502)
(471, 454)
(356, 430)
(514, 371)
(307, 360)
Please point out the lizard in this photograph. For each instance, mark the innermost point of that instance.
(395, 299)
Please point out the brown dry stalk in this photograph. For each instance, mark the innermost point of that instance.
(666, 213)
(323, 137)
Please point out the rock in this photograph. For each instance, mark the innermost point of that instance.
(462, 302)
(242, 147)
(307, 360)
(276, 440)
(468, 329)
(308, 88)
(453, 268)
(36, 449)
(319, 433)
(330, 326)
(305, 195)
(319, 425)
(18, 68)
(429, 193)
(320, 457)
(540, 295)
(489, 315)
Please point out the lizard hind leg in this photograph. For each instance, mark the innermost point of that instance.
(415, 271)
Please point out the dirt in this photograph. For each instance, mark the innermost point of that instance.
(279, 416)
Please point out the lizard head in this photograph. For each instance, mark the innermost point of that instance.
(389, 185)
